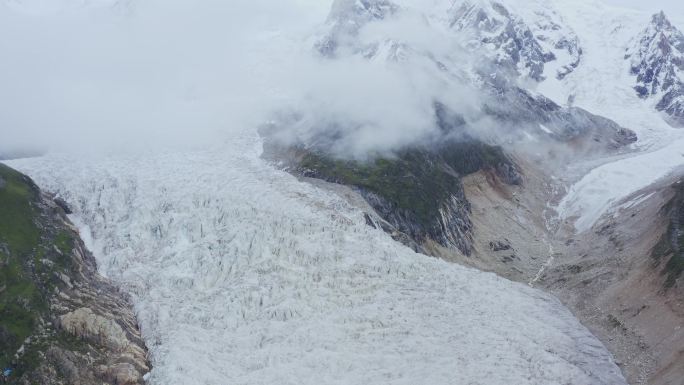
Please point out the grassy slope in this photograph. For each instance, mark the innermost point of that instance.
(21, 300)
(418, 181)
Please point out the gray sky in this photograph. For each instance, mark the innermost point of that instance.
(673, 8)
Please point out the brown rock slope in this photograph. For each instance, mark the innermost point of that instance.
(623, 279)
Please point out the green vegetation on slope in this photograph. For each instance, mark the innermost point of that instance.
(33, 251)
(20, 298)
(416, 182)
(411, 182)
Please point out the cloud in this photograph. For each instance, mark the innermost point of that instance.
(122, 75)
(376, 91)
(166, 72)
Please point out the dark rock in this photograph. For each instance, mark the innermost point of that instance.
(63, 205)
(500, 245)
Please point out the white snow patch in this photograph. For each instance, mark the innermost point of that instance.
(545, 129)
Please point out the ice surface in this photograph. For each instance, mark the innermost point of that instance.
(603, 187)
(241, 274)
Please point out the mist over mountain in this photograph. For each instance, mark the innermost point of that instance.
(341, 192)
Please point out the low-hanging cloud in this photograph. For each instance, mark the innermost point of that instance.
(152, 72)
(111, 75)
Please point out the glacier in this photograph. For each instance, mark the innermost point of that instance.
(242, 274)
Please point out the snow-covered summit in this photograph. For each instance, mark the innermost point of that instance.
(508, 37)
(657, 61)
(522, 37)
(347, 17)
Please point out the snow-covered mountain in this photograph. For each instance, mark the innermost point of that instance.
(657, 61)
(525, 45)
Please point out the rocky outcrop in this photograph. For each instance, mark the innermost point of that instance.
(77, 328)
(657, 62)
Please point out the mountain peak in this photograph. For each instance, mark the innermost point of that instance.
(657, 62)
(660, 19)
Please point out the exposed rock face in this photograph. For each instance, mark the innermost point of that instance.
(657, 61)
(77, 327)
